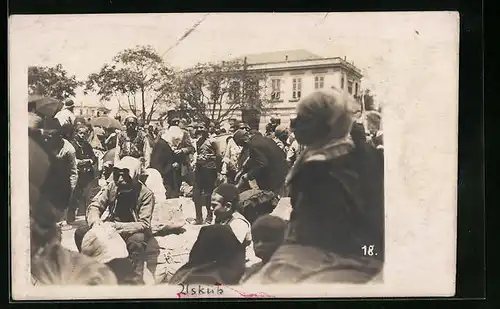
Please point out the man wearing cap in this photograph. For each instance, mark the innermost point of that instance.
(205, 175)
(66, 115)
(130, 204)
(133, 142)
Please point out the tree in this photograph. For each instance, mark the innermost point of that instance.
(52, 82)
(212, 92)
(138, 71)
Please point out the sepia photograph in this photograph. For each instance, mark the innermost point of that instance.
(208, 155)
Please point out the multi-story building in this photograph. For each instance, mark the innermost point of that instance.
(293, 74)
(91, 110)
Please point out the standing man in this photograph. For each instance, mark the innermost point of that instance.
(183, 152)
(133, 142)
(86, 161)
(64, 154)
(66, 115)
(205, 175)
(66, 119)
(230, 165)
(265, 166)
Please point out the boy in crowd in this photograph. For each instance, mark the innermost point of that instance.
(225, 202)
(268, 233)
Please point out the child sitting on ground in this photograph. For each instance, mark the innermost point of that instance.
(268, 233)
(225, 204)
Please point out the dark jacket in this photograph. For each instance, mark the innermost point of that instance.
(337, 205)
(83, 151)
(162, 159)
(266, 163)
(216, 257)
(207, 153)
(141, 207)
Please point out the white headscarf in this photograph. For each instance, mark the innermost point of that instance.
(132, 164)
(173, 136)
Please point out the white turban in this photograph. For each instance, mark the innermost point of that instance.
(132, 164)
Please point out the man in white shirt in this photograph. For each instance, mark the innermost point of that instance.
(225, 201)
(65, 115)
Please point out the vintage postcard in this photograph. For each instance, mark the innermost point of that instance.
(233, 155)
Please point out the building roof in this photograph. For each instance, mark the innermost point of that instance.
(280, 56)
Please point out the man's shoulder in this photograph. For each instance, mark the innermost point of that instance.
(145, 191)
(62, 112)
(69, 146)
(239, 218)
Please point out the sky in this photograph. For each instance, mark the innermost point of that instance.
(396, 51)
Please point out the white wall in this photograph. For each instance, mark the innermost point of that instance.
(285, 107)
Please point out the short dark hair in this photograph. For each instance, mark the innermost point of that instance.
(230, 193)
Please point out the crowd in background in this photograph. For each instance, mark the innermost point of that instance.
(328, 161)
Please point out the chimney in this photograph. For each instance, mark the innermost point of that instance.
(286, 58)
(345, 58)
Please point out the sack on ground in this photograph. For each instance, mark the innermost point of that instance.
(167, 215)
(255, 203)
(154, 182)
(104, 244)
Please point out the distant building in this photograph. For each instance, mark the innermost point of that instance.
(124, 112)
(91, 110)
(294, 74)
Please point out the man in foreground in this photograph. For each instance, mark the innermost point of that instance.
(130, 204)
(225, 204)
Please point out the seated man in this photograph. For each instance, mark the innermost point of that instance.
(130, 204)
(268, 233)
(225, 202)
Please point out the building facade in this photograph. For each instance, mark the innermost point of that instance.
(291, 75)
(91, 110)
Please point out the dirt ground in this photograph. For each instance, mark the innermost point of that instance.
(166, 254)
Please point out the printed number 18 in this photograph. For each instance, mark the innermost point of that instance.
(368, 250)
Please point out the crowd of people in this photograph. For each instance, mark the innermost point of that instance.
(329, 162)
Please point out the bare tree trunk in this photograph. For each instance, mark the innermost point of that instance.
(213, 110)
(131, 107)
(143, 116)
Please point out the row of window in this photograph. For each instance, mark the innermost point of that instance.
(319, 83)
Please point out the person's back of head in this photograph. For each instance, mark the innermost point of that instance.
(281, 132)
(268, 233)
